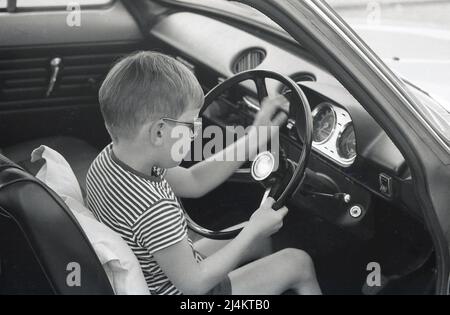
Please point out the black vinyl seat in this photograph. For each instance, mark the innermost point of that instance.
(40, 238)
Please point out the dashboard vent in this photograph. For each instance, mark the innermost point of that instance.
(298, 78)
(248, 60)
(304, 77)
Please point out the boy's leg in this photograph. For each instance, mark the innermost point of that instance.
(275, 274)
(207, 247)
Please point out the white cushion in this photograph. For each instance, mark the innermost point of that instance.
(57, 173)
(118, 260)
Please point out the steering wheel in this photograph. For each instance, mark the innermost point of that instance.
(282, 183)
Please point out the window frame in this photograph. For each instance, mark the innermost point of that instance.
(12, 6)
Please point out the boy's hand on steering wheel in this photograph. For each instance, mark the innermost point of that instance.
(265, 221)
(273, 112)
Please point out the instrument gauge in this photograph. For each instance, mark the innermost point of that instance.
(346, 143)
(324, 123)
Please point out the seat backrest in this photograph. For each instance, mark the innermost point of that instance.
(42, 230)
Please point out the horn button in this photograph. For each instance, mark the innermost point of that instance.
(263, 165)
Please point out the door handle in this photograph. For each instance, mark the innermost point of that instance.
(55, 64)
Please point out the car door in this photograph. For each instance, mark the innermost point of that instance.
(384, 96)
(53, 58)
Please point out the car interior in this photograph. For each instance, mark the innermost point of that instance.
(50, 74)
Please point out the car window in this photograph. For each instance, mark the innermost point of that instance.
(53, 3)
(412, 37)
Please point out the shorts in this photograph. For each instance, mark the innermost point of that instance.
(223, 288)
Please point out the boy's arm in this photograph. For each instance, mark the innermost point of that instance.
(192, 277)
(204, 176)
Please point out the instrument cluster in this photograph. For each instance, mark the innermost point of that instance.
(333, 134)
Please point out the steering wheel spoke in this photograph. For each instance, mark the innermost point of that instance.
(261, 88)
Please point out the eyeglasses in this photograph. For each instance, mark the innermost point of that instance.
(194, 127)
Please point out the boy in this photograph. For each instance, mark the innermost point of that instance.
(133, 183)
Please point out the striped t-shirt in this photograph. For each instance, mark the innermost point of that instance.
(142, 209)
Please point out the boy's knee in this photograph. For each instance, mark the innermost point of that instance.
(298, 262)
(297, 255)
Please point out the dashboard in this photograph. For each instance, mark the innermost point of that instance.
(350, 149)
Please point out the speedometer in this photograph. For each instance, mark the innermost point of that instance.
(324, 123)
(346, 143)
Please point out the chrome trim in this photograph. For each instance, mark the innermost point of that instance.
(55, 64)
(356, 211)
(347, 198)
(290, 124)
(255, 161)
(316, 111)
(250, 104)
(344, 160)
(328, 148)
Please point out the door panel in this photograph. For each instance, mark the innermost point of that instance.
(27, 112)
(28, 108)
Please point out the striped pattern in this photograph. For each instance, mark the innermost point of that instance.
(142, 209)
